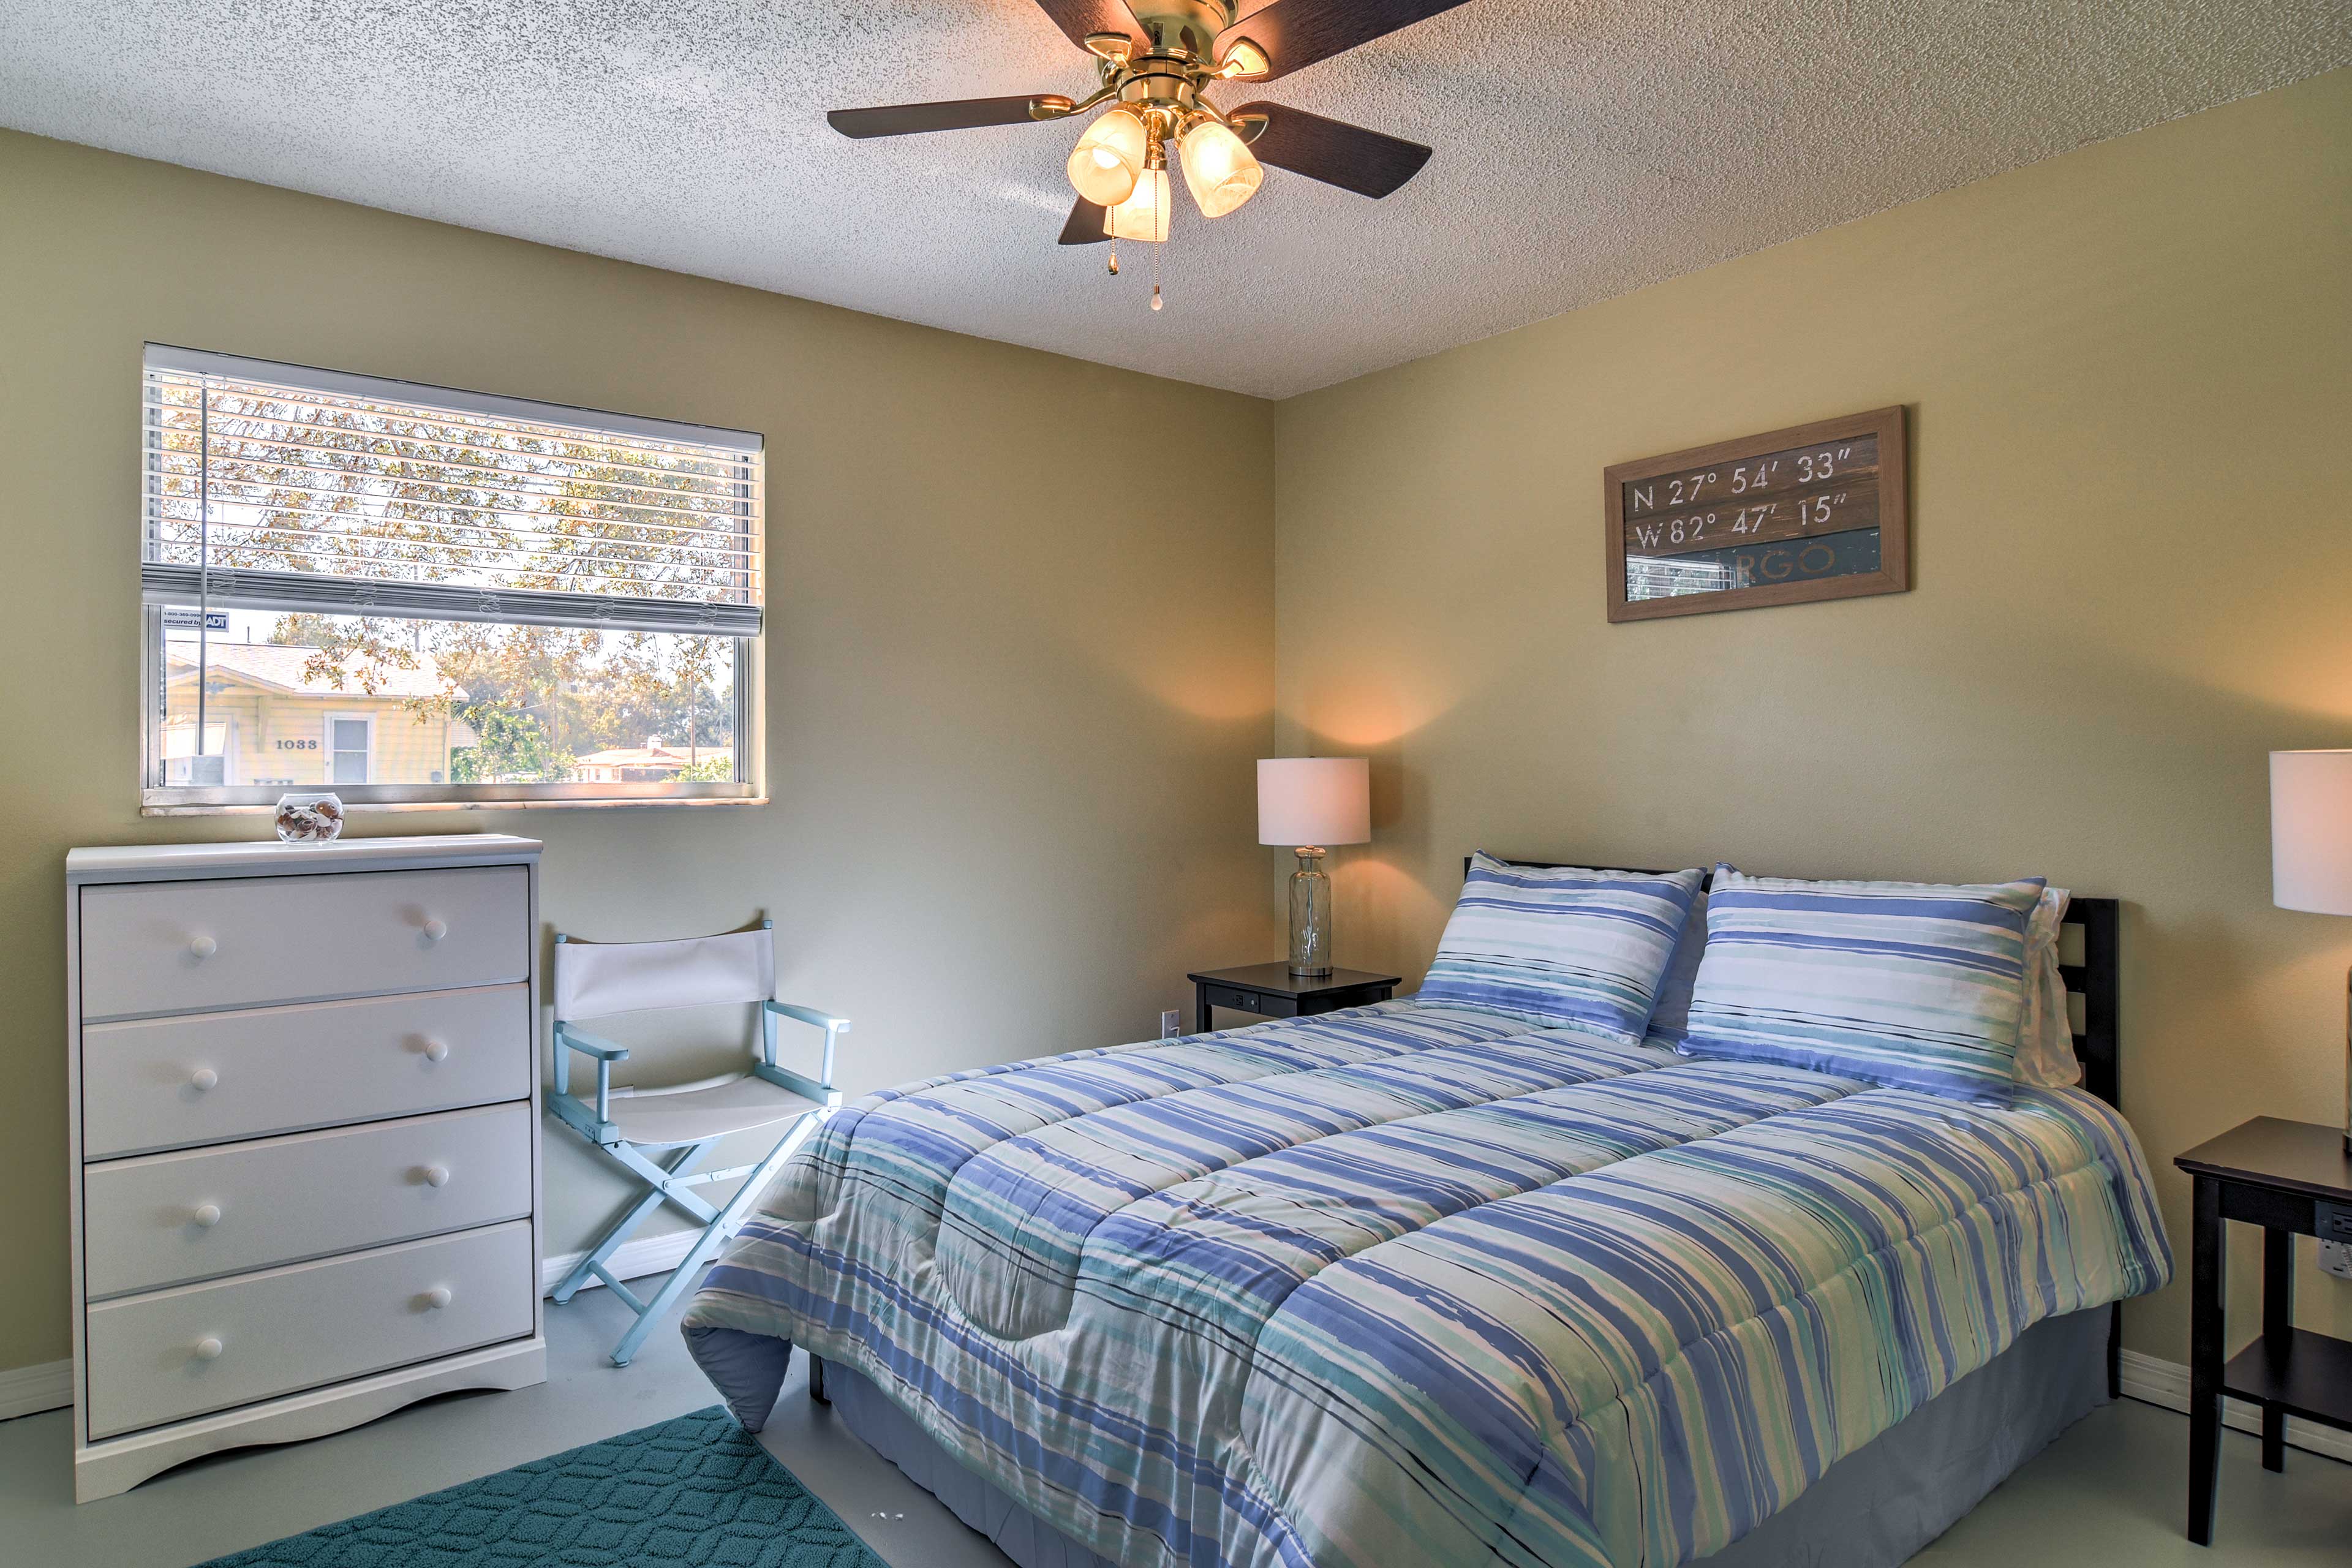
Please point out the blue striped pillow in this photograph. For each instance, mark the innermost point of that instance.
(1562, 947)
(1905, 984)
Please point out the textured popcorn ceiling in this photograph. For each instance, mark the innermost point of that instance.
(1584, 147)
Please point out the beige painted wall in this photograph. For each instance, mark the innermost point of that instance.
(2126, 369)
(1010, 728)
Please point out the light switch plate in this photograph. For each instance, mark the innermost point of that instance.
(1171, 1025)
(2335, 1257)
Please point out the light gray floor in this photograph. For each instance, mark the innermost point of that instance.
(234, 1501)
(2110, 1491)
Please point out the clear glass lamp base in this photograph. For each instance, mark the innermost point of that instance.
(1310, 916)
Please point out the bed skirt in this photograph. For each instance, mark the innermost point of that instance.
(1873, 1508)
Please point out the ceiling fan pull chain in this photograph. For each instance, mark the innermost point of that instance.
(1157, 249)
(1114, 257)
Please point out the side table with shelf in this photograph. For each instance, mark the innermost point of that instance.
(2291, 1178)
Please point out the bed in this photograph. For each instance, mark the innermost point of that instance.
(1412, 1284)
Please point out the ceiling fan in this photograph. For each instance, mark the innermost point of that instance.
(1154, 59)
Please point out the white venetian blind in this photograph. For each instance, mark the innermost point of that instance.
(271, 487)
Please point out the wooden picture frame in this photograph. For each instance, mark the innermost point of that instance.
(1813, 511)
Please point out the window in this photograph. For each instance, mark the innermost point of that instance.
(411, 595)
(350, 742)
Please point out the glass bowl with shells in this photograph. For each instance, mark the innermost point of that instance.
(310, 817)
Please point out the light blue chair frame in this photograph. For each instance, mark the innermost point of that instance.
(674, 1183)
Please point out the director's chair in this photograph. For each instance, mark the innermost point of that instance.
(657, 1134)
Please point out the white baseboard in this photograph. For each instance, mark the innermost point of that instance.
(2166, 1383)
(631, 1260)
(28, 1389)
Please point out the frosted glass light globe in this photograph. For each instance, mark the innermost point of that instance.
(1220, 168)
(1144, 214)
(1108, 160)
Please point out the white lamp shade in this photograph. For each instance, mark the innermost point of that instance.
(2311, 831)
(1317, 801)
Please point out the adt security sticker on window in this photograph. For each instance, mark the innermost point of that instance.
(186, 620)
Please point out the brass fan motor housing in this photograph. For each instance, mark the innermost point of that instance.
(1155, 82)
(1183, 27)
(1163, 83)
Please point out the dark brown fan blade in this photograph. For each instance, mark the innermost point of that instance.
(1085, 225)
(907, 119)
(1079, 17)
(1297, 33)
(1332, 150)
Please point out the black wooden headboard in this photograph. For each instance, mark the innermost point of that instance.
(2098, 1044)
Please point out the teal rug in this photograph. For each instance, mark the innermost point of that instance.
(695, 1490)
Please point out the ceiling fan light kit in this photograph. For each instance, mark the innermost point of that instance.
(1153, 60)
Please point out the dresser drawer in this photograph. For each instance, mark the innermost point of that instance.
(281, 1069)
(200, 1348)
(181, 947)
(163, 1220)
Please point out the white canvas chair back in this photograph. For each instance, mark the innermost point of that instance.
(598, 979)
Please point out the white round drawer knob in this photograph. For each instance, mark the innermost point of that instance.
(206, 1214)
(436, 1050)
(438, 1297)
(202, 948)
(203, 1077)
(437, 1175)
(208, 1349)
(435, 929)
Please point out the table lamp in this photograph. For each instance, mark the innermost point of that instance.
(1309, 802)
(2311, 852)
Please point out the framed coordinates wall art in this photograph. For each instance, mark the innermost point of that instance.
(1814, 511)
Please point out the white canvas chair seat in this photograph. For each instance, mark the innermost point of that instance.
(679, 1122)
(666, 1118)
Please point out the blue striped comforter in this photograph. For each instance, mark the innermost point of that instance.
(1408, 1286)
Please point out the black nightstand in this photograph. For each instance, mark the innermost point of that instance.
(2291, 1178)
(1271, 991)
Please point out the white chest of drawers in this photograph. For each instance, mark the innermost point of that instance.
(304, 1122)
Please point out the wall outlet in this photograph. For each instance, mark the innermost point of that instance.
(2335, 1257)
(1171, 1025)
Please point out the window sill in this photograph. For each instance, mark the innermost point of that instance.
(151, 808)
